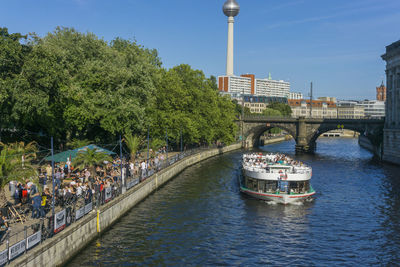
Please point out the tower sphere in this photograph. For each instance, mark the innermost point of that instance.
(231, 8)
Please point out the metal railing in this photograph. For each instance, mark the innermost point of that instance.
(68, 211)
(263, 117)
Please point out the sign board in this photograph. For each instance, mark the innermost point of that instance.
(33, 239)
(88, 208)
(59, 221)
(80, 213)
(108, 194)
(16, 250)
(3, 257)
(69, 216)
(132, 183)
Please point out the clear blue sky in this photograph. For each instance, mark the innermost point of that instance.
(336, 44)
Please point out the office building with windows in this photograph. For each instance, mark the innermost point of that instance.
(349, 109)
(373, 108)
(247, 84)
(319, 109)
(295, 95)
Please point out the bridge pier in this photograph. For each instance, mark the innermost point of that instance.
(306, 148)
(302, 146)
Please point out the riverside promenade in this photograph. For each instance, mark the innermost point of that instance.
(63, 246)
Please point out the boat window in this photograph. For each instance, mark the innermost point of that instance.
(300, 187)
(270, 186)
(261, 186)
(251, 184)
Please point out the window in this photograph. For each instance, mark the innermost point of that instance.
(251, 184)
(270, 186)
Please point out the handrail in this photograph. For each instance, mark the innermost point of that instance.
(80, 207)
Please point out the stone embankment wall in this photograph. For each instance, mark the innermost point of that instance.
(365, 143)
(62, 247)
(391, 146)
(275, 140)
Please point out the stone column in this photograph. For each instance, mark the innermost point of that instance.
(229, 56)
(301, 139)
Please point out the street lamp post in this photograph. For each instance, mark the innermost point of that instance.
(166, 140)
(181, 141)
(311, 99)
(52, 175)
(242, 137)
(120, 158)
(148, 147)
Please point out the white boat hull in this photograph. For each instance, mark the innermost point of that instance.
(278, 198)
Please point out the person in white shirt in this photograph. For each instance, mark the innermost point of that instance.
(143, 167)
(79, 190)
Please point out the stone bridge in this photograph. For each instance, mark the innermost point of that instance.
(306, 131)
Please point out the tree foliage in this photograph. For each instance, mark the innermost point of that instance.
(15, 161)
(187, 102)
(15, 165)
(89, 159)
(283, 108)
(78, 143)
(133, 143)
(76, 86)
(271, 112)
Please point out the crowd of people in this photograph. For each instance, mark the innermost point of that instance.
(261, 161)
(73, 187)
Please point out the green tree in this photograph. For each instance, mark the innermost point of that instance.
(13, 53)
(75, 85)
(15, 165)
(238, 109)
(78, 143)
(271, 112)
(283, 108)
(133, 143)
(186, 101)
(90, 159)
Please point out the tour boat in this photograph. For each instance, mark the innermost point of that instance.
(275, 177)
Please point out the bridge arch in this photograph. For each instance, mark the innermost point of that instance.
(306, 131)
(253, 135)
(324, 128)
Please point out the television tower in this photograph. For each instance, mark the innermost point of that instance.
(231, 9)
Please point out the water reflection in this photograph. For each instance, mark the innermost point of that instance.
(200, 218)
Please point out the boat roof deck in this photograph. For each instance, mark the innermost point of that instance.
(268, 162)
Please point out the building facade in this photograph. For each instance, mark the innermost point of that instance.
(319, 109)
(381, 92)
(247, 84)
(295, 95)
(328, 98)
(350, 110)
(374, 109)
(391, 136)
(235, 85)
(257, 104)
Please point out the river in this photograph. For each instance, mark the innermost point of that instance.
(200, 218)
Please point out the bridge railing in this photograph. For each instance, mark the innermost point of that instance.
(263, 117)
(19, 240)
(258, 116)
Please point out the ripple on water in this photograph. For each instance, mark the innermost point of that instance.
(200, 218)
